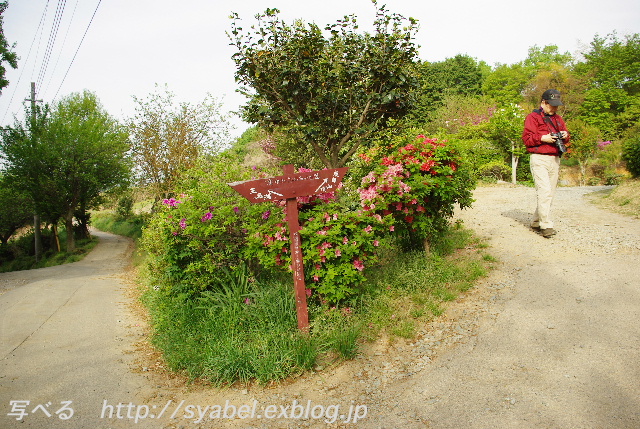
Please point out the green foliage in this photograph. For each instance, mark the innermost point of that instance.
(203, 228)
(243, 329)
(130, 226)
(329, 90)
(631, 155)
(459, 76)
(65, 158)
(494, 170)
(18, 253)
(16, 209)
(6, 53)
(506, 83)
(612, 100)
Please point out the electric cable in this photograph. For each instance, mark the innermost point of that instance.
(79, 45)
(51, 42)
(64, 42)
(35, 36)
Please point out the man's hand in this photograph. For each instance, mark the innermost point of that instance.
(548, 138)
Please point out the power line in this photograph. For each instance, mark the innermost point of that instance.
(22, 69)
(52, 40)
(79, 45)
(64, 42)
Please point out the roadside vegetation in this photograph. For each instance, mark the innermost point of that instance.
(382, 255)
(18, 255)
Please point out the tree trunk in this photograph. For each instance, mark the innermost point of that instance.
(514, 163)
(68, 223)
(37, 237)
(56, 237)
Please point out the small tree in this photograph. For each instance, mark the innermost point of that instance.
(65, 159)
(167, 138)
(506, 129)
(329, 90)
(584, 143)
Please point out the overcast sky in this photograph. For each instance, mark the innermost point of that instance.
(133, 44)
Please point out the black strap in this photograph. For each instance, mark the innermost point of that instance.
(549, 122)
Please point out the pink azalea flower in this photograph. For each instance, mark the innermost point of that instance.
(183, 223)
(172, 202)
(357, 263)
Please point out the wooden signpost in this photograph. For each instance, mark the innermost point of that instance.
(288, 187)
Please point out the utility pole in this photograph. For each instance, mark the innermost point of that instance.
(36, 216)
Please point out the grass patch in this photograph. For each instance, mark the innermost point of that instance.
(624, 198)
(111, 222)
(244, 329)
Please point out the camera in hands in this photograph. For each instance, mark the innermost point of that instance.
(560, 142)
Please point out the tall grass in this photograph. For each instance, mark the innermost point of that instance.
(111, 222)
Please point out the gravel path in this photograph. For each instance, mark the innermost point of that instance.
(550, 340)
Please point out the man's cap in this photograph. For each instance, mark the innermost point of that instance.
(552, 96)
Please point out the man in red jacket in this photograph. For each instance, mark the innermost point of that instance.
(545, 135)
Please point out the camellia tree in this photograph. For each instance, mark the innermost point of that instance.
(329, 90)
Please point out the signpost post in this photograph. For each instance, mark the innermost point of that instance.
(288, 187)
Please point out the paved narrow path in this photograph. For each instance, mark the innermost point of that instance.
(63, 337)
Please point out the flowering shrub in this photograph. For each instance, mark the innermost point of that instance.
(417, 181)
(337, 244)
(204, 228)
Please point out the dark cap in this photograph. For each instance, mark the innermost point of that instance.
(552, 96)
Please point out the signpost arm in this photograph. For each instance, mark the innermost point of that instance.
(296, 259)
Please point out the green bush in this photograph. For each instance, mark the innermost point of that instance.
(631, 155)
(494, 170)
(202, 229)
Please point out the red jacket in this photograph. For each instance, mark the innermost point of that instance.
(535, 127)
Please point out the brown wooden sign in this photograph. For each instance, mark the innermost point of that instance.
(288, 187)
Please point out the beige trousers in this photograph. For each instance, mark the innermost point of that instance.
(544, 169)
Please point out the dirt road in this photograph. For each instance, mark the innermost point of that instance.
(549, 340)
(556, 345)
